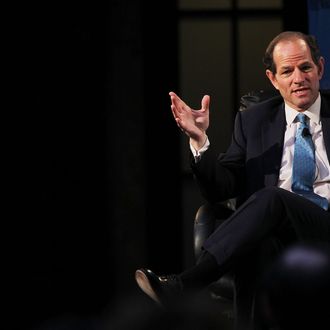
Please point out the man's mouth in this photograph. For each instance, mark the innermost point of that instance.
(300, 91)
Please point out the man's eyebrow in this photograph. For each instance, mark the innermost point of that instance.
(285, 67)
(306, 63)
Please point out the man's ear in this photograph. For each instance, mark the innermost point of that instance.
(272, 78)
(321, 67)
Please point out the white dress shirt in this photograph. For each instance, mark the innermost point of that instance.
(322, 174)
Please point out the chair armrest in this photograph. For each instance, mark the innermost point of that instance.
(207, 218)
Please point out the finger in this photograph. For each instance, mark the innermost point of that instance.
(173, 94)
(178, 123)
(175, 112)
(173, 97)
(177, 118)
(177, 108)
(205, 102)
(178, 102)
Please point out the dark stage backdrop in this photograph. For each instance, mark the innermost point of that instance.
(93, 195)
(59, 246)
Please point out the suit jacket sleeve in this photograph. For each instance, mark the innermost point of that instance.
(221, 176)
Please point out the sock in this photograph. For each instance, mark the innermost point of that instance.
(202, 274)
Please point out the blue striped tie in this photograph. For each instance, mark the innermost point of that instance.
(303, 172)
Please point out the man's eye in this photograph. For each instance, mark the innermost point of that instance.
(306, 68)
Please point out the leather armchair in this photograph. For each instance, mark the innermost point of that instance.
(210, 216)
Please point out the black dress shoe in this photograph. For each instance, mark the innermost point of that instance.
(162, 289)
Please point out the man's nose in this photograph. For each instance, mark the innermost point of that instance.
(298, 76)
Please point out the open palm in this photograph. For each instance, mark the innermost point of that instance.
(193, 122)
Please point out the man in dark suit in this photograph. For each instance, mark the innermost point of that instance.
(259, 167)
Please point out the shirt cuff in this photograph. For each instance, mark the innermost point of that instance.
(198, 153)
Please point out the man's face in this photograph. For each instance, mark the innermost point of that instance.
(297, 77)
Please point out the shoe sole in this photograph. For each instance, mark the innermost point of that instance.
(145, 285)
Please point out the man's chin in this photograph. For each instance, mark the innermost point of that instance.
(302, 103)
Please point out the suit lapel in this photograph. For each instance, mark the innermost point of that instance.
(272, 143)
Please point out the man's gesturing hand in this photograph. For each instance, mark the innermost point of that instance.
(193, 122)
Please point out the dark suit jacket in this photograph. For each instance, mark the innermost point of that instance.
(253, 158)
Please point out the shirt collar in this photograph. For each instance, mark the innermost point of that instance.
(313, 113)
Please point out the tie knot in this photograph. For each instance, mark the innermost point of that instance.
(302, 118)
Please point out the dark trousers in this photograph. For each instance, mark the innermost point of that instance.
(259, 230)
